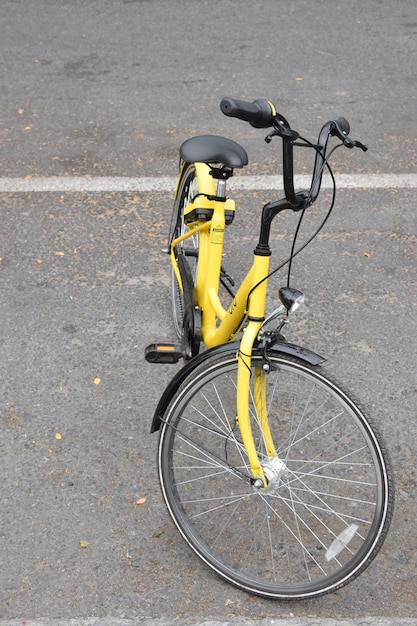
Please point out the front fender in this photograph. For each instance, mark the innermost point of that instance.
(280, 346)
(303, 353)
(181, 375)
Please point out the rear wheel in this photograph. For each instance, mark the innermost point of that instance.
(188, 189)
(328, 504)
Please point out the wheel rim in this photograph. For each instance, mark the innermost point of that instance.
(285, 542)
(188, 190)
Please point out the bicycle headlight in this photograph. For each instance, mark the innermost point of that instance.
(291, 298)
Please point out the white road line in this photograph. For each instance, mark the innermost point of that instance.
(98, 184)
(201, 621)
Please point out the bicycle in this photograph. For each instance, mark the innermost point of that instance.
(272, 472)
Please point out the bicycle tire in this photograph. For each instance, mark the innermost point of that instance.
(187, 190)
(325, 513)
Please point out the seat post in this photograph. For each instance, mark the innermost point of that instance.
(221, 188)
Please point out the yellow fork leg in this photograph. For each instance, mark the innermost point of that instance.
(259, 397)
(256, 311)
(242, 399)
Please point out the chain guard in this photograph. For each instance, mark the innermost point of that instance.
(192, 313)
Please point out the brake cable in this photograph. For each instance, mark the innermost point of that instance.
(293, 253)
(297, 230)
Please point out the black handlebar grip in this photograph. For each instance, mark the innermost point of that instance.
(259, 113)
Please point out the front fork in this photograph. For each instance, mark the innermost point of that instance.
(256, 311)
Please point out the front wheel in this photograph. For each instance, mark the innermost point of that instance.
(329, 500)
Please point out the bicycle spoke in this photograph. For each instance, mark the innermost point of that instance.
(316, 524)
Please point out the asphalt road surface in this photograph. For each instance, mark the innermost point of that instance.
(107, 91)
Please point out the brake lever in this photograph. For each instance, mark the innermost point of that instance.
(360, 145)
(285, 133)
(351, 143)
(281, 128)
(341, 128)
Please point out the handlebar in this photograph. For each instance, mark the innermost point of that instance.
(263, 114)
(259, 113)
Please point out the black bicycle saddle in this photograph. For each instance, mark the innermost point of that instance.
(213, 149)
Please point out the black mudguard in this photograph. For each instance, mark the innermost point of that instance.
(280, 346)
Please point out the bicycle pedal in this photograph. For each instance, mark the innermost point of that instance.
(163, 353)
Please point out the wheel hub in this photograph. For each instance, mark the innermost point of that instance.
(276, 473)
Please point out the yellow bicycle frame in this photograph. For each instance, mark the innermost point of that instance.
(220, 325)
